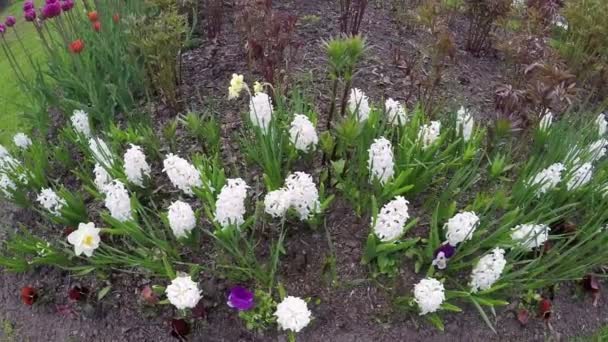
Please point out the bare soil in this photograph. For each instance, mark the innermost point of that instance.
(351, 308)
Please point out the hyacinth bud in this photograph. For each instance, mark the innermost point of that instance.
(30, 15)
(67, 5)
(2, 28)
(10, 21)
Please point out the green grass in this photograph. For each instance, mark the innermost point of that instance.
(11, 97)
(600, 336)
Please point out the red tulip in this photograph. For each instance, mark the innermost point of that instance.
(76, 46)
(97, 26)
(28, 295)
(116, 18)
(93, 16)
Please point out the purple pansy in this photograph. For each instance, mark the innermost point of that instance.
(442, 254)
(240, 298)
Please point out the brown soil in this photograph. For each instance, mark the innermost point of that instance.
(355, 307)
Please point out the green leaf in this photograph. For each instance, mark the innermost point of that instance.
(450, 307)
(436, 321)
(103, 292)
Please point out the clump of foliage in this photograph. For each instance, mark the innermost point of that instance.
(482, 16)
(351, 16)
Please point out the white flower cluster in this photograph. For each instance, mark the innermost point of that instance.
(581, 176)
(3, 152)
(292, 314)
(429, 133)
(464, 123)
(429, 294)
(391, 219)
(101, 152)
(546, 121)
(102, 178)
(359, 104)
(602, 124)
(395, 112)
(85, 239)
(461, 227)
(299, 193)
(597, 149)
(182, 174)
(236, 86)
(530, 236)
(183, 292)
(548, 178)
(50, 201)
(488, 270)
(260, 111)
(7, 186)
(302, 133)
(230, 204)
(181, 218)
(80, 123)
(136, 167)
(380, 163)
(117, 201)
(22, 141)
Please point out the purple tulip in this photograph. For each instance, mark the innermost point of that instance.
(240, 298)
(67, 5)
(51, 10)
(30, 15)
(442, 254)
(10, 21)
(2, 29)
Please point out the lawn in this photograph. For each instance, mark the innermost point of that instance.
(11, 115)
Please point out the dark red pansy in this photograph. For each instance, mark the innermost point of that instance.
(28, 295)
(78, 293)
(68, 230)
(148, 295)
(199, 311)
(592, 284)
(179, 328)
(544, 308)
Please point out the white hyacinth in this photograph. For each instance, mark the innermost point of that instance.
(391, 219)
(461, 227)
(101, 152)
(117, 201)
(304, 196)
(236, 86)
(464, 123)
(395, 112)
(22, 141)
(182, 174)
(277, 202)
(50, 201)
(102, 178)
(488, 270)
(358, 104)
(136, 167)
(548, 178)
(602, 124)
(181, 218)
(3, 152)
(292, 314)
(260, 111)
(7, 186)
(183, 292)
(380, 163)
(230, 204)
(530, 236)
(302, 133)
(429, 294)
(546, 121)
(581, 176)
(429, 133)
(85, 239)
(597, 150)
(80, 123)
